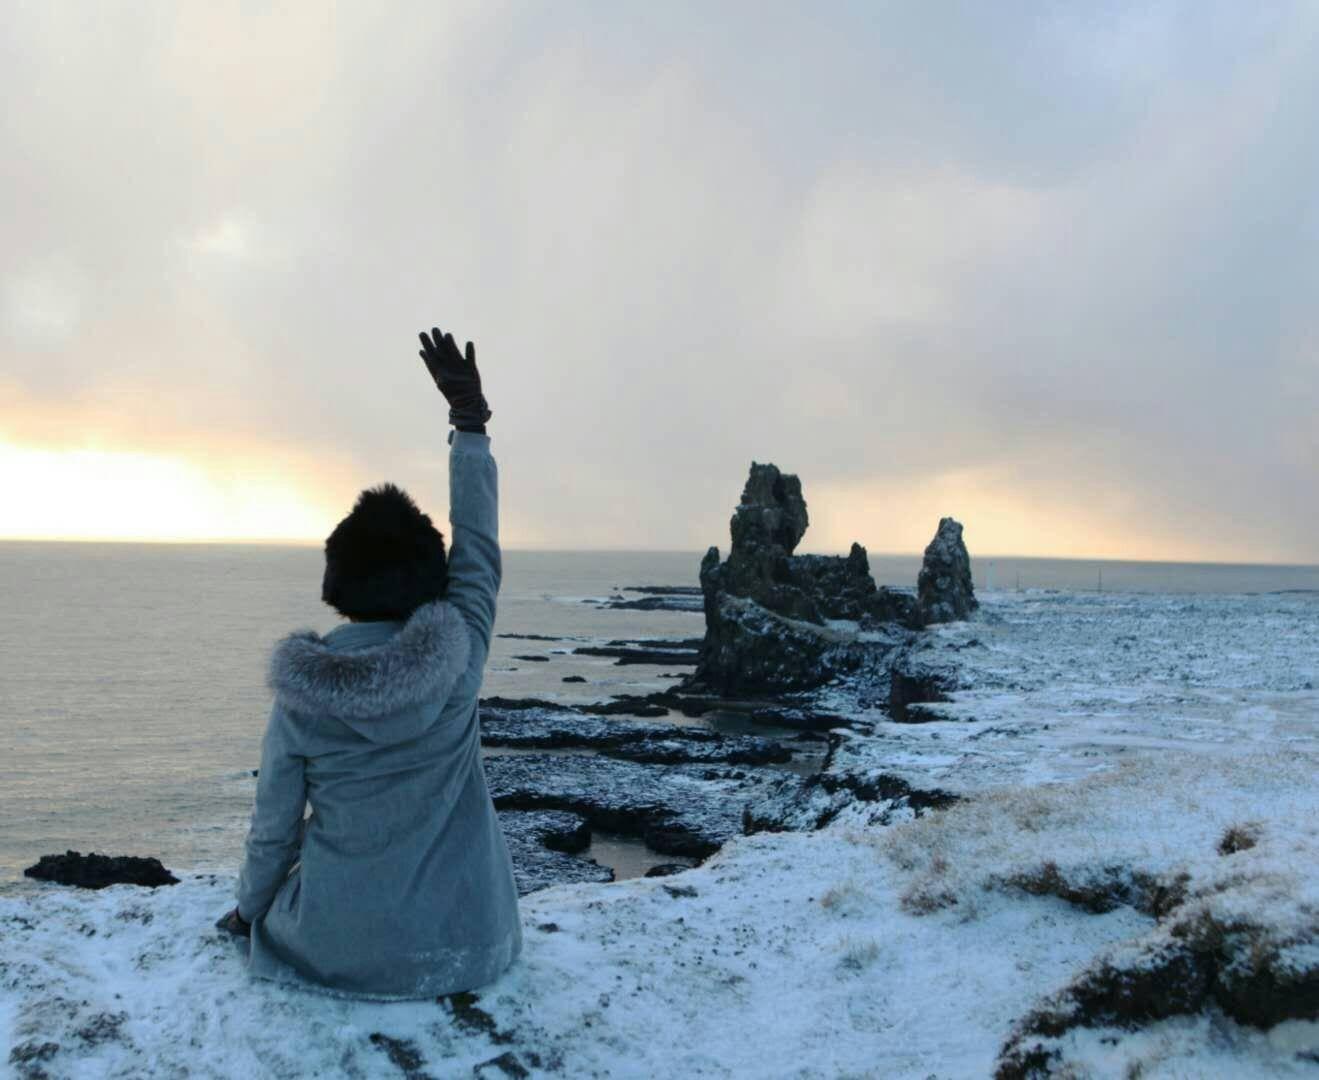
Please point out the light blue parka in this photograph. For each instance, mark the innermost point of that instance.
(399, 885)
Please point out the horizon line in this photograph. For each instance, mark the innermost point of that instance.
(291, 543)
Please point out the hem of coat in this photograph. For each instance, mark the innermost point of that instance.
(285, 974)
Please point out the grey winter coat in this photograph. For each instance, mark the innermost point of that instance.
(399, 885)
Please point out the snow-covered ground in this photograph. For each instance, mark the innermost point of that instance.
(1059, 685)
(1138, 789)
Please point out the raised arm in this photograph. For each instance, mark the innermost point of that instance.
(475, 566)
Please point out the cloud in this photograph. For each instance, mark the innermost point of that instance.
(1055, 268)
(876, 250)
(41, 305)
(229, 238)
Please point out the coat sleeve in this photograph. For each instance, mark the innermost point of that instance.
(475, 566)
(274, 840)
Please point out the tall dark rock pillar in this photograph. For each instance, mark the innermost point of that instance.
(944, 589)
(775, 621)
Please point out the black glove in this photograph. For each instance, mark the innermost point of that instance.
(456, 376)
(235, 924)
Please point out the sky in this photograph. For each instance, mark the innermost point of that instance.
(1048, 268)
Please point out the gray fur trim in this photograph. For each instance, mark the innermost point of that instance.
(421, 662)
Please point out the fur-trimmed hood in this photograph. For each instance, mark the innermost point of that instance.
(411, 673)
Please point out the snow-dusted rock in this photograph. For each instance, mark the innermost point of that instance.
(546, 847)
(550, 726)
(677, 810)
(802, 803)
(1238, 935)
(750, 650)
(770, 615)
(943, 589)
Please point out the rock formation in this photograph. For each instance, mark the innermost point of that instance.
(943, 589)
(93, 871)
(685, 810)
(547, 726)
(654, 598)
(806, 803)
(773, 618)
(547, 848)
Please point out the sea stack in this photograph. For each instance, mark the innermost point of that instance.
(943, 589)
(772, 617)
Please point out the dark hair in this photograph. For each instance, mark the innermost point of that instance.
(385, 559)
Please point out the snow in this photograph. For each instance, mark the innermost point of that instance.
(783, 953)
(1059, 685)
(1206, 1047)
(1100, 743)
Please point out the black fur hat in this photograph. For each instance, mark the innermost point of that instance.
(385, 559)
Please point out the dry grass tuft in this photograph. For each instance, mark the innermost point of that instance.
(1241, 837)
(925, 898)
(857, 955)
(840, 895)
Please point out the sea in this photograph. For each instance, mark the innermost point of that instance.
(132, 676)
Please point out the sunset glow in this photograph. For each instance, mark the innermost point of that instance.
(88, 494)
(1080, 322)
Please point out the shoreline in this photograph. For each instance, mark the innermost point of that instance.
(1086, 731)
(836, 701)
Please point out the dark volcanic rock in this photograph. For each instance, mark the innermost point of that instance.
(680, 810)
(640, 654)
(776, 621)
(666, 869)
(497, 702)
(806, 720)
(402, 1053)
(751, 650)
(508, 1064)
(94, 871)
(795, 803)
(676, 644)
(653, 603)
(894, 605)
(543, 845)
(558, 728)
(651, 705)
(772, 513)
(1210, 950)
(785, 712)
(913, 684)
(622, 705)
(943, 589)
(766, 527)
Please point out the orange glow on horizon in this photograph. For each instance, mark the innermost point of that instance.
(251, 495)
(93, 494)
(1003, 519)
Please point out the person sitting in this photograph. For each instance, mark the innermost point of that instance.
(399, 885)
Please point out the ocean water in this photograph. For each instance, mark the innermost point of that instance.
(132, 696)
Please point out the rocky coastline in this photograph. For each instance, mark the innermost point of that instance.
(783, 631)
(745, 741)
(1070, 836)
